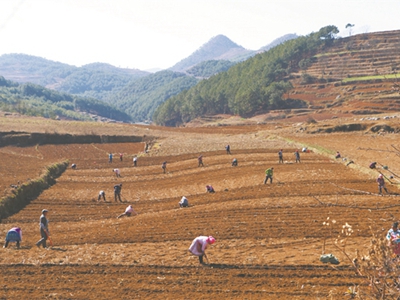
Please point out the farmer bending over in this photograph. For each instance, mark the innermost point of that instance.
(234, 162)
(102, 194)
(128, 212)
(199, 246)
(209, 189)
(13, 235)
(184, 202)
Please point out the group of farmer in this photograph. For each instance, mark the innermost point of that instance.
(269, 173)
(200, 243)
(15, 233)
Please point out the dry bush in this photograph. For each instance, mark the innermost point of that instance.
(381, 268)
(378, 266)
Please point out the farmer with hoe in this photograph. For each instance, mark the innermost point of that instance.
(199, 246)
(164, 166)
(13, 235)
(117, 192)
(297, 156)
(393, 237)
(102, 194)
(280, 154)
(228, 149)
(200, 159)
(269, 173)
(135, 161)
(128, 212)
(110, 157)
(381, 184)
(44, 229)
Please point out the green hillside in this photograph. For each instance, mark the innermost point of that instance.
(278, 41)
(210, 67)
(141, 97)
(35, 100)
(253, 86)
(97, 80)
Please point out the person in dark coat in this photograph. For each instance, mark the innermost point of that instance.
(117, 192)
(44, 229)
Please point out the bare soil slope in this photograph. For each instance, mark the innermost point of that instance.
(269, 237)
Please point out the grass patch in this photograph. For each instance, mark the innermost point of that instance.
(373, 77)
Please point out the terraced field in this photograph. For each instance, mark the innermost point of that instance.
(269, 237)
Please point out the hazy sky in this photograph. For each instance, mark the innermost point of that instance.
(147, 34)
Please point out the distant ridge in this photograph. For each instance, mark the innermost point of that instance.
(96, 80)
(217, 48)
(276, 42)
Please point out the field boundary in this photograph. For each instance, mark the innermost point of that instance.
(29, 191)
(24, 139)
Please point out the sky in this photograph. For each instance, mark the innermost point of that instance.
(156, 34)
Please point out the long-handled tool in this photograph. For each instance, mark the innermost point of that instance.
(205, 255)
(48, 236)
(278, 180)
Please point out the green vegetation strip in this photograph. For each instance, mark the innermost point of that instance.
(374, 77)
(29, 191)
(335, 53)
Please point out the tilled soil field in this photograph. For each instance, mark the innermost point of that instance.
(269, 236)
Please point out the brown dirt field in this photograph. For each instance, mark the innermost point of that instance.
(269, 237)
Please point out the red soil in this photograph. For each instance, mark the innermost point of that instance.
(269, 237)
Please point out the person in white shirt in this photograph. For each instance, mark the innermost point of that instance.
(128, 212)
(102, 194)
(199, 246)
(184, 202)
(117, 172)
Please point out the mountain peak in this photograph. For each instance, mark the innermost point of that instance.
(218, 47)
(221, 41)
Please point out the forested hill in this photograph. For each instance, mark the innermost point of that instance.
(218, 48)
(141, 97)
(96, 80)
(316, 76)
(253, 86)
(35, 100)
